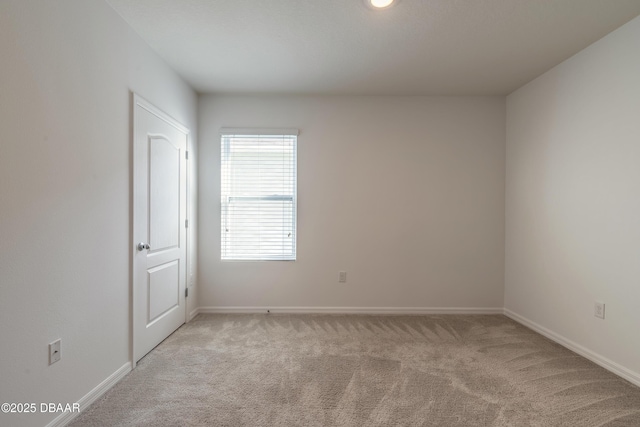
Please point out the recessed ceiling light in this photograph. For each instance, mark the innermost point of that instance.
(380, 4)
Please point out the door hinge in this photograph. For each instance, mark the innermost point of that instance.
(186, 292)
(186, 155)
(186, 223)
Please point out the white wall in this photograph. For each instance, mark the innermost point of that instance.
(67, 69)
(406, 194)
(573, 199)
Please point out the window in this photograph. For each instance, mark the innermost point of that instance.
(258, 189)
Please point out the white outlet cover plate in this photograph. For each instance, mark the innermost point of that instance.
(54, 352)
(598, 310)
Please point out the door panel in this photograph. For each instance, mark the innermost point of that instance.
(164, 289)
(164, 193)
(159, 269)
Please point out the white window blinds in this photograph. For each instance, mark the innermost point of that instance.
(258, 189)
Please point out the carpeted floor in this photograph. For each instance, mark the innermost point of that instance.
(338, 370)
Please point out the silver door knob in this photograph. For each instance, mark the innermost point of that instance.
(143, 246)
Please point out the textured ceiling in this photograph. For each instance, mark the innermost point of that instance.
(416, 47)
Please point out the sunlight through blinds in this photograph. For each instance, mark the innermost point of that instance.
(258, 194)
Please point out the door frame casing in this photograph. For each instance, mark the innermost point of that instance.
(137, 100)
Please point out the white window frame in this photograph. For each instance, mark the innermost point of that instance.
(227, 199)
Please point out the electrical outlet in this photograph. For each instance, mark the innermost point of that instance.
(54, 352)
(598, 310)
(343, 277)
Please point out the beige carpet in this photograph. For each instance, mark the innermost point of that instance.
(323, 370)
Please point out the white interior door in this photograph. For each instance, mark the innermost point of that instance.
(159, 226)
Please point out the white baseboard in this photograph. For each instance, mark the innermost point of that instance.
(354, 310)
(608, 364)
(193, 314)
(66, 417)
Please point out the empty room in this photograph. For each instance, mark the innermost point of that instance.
(319, 213)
